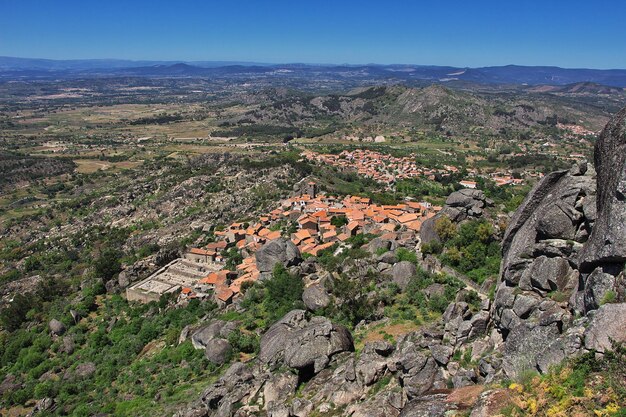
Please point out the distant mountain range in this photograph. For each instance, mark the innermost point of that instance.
(25, 68)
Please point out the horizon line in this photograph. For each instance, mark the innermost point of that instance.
(248, 62)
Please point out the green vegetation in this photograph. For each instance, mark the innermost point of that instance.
(404, 254)
(609, 297)
(586, 385)
(339, 221)
(283, 293)
(131, 354)
(331, 261)
(473, 249)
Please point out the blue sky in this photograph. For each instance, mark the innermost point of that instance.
(473, 33)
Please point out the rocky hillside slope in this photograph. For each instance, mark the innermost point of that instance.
(561, 293)
(433, 108)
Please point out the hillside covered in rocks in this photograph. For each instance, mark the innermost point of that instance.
(561, 293)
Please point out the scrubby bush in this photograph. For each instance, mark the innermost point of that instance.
(404, 254)
(284, 293)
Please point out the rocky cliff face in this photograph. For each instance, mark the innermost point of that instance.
(563, 259)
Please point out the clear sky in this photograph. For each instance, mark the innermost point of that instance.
(570, 33)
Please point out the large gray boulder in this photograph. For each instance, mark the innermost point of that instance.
(314, 345)
(279, 387)
(467, 198)
(430, 405)
(222, 396)
(607, 243)
(557, 222)
(388, 258)
(525, 345)
(276, 251)
(378, 244)
(402, 272)
(428, 234)
(549, 274)
(272, 344)
(608, 324)
(534, 229)
(304, 344)
(597, 287)
(82, 371)
(415, 366)
(218, 351)
(371, 364)
(202, 337)
(315, 297)
(459, 206)
(56, 327)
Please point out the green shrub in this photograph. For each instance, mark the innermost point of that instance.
(284, 293)
(107, 265)
(381, 251)
(404, 254)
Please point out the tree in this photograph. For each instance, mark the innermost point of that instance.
(444, 228)
(284, 293)
(484, 232)
(13, 315)
(108, 264)
(339, 221)
(233, 258)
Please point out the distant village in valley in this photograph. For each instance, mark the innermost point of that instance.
(387, 169)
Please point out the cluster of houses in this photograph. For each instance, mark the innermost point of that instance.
(383, 168)
(387, 169)
(312, 221)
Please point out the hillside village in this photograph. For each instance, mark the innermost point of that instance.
(315, 222)
(382, 168)
(387, 169)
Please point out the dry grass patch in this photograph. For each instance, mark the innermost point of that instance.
(89, 166)
(389, 331)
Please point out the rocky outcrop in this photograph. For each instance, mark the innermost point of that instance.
(9, 384)
(563, 256)
(459, 206)
(466, 203)
(281, 251)
(557, 296)
(378, 244)
(233, 387)
(218, 351)
(607, 243)
(402, 272)
(305, 345)
(202, 337)
(82, 371)
(315, 297)
(56, 327)
(212, 338)
(608, 325)
(137, 271)
(45, 405)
